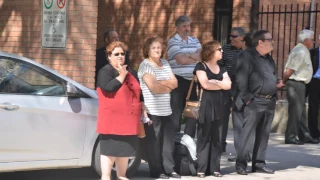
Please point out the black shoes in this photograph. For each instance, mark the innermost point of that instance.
(160, 176)
(293, 141)
(262, 169)
(174, 175)
(307, 139)
(242, 171)
(165, 176)
(311, 140)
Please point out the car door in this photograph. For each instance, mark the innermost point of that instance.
(37, 119)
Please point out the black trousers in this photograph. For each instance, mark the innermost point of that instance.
(258, 116)
(160, 144)
(225, 121)
(297, 119)
(237, 120)
(314, 102)
(209, 148)
(178, 102)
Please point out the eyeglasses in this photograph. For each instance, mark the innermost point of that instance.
(270, 39)
(219, 49)
(118, 54)
(233, 36)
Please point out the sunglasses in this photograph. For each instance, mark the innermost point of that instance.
(118, 54)
(233, 36)
(270, 39)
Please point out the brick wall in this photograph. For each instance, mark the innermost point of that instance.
(20, 33)
(241, 14)
(136, 20)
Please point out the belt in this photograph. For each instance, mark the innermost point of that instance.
(296, 81)
(263, 96)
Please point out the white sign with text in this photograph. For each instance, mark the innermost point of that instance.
(54, 24)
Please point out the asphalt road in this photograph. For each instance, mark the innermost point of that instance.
(59, 174)
(291, 162)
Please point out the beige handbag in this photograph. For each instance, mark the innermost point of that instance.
(192, 107)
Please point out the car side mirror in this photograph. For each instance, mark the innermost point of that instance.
(72, 90)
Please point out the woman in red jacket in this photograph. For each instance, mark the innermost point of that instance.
(119, 112)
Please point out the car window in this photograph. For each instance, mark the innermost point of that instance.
(18, 77)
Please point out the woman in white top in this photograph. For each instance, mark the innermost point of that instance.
(157, 81)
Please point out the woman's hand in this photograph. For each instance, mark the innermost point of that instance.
(122, 69)
(144, 116)
(122, 72)
(149, 122)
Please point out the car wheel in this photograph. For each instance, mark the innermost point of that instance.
(133, 165)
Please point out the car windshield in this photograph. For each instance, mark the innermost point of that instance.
(21, 78)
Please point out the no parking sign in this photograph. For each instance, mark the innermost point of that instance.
(54, 24)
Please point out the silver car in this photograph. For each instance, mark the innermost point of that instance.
(47, 120)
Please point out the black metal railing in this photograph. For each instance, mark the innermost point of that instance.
(285, 22)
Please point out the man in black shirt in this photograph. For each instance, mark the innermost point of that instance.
(257, 86)
(110, 36)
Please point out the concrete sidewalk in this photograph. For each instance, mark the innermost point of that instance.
(291, 162)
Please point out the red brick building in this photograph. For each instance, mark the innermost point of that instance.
(135, 20)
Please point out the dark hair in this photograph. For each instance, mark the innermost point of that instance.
(208, 50)
(239, 30)
(147, 44)
(248, 40)
(107, 33)
(182, 19)
(258, 36)
(114, 45)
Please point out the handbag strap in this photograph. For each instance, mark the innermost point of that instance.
(191, 85)
(190, 88)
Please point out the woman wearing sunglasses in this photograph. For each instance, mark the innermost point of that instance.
(119, 112)
(157, 81)
(213, 80)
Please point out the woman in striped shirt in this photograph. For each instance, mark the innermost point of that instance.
(157, 81)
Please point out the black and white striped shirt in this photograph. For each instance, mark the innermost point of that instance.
(229, 52)
(156, 104)
(177, 45)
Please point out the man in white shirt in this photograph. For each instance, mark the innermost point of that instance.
(298, 73)
(183, 53)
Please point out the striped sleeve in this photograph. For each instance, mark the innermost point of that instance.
(144, 68)
(173, 48)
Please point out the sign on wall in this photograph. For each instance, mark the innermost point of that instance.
(54, 23)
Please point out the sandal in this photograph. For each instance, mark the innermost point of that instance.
(216, 174)
(201, 175)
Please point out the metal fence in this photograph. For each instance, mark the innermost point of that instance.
(285, 22)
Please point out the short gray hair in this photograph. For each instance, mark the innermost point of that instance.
(305, 34)
(239, 30)
(182, 19)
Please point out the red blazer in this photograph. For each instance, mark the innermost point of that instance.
(120, 111)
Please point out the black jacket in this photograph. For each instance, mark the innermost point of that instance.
(314, 54)
(249, 74)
